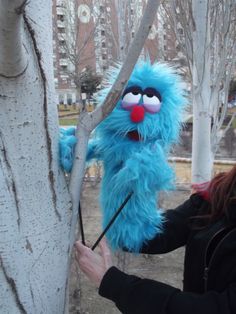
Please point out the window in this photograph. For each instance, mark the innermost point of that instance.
(61, 30)
(61, 18)
(177, 48)
(104, 56)
(103, 33)
(103, 44)
(62, 55)
(101, 8)
(102, 20)
(63, 67)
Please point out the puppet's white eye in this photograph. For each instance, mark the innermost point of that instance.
(132, 98)
(152, 100)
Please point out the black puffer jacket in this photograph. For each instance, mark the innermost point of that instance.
(209, 272)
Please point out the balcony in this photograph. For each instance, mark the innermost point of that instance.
(60, 11)
(61, 37)
(62, 49)
(63, 62)
(64, 76)
(60, 24)
(60, 3)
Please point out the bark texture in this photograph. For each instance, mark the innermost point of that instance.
(35, 207)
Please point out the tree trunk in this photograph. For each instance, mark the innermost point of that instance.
(35, 207)
(202, 157)
(37, 227)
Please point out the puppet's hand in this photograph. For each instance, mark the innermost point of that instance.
(93, 150)
(67, 144)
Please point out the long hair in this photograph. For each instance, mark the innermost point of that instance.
(220, 193)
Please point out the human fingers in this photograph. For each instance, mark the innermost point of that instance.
(80, 247)
(90, 262)
(105, 253)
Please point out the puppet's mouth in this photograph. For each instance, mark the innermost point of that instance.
(134, 136)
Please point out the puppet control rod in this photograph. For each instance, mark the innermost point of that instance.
(108, 225)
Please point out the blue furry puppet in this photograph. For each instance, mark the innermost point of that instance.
(133, 142)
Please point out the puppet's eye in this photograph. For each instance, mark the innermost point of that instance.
(131, 97)
(152, 100)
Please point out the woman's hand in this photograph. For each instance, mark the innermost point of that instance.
(92, 264)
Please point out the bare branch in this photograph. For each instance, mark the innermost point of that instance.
(13, 60)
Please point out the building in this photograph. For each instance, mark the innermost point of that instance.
(88, 34)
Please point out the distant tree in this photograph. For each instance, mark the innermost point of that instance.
(208, 41)
(89, 81)
(232, 89)
(229, 140)
(76, 40)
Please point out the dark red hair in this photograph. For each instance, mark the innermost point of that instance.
(220, 192)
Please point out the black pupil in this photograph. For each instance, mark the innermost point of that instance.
(135, 90)
(149, 92)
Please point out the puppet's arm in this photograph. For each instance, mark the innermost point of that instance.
(145, 171)
(93, 150)
(67, 144)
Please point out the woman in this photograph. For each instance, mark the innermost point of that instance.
(206, 224)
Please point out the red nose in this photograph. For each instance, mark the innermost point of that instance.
(137, 114)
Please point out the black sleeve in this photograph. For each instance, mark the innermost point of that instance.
(176, 228)
(133, 295)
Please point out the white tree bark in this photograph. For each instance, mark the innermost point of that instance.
(35, 207)
(202, 158)
(13, 60)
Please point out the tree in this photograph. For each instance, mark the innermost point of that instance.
(82, 42)
(35, 210)
(90, 82)
(208, 40)
(232, 89)
(37, 216)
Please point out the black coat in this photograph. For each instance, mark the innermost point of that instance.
(209, 269)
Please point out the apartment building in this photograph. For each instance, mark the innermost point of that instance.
(97, 33)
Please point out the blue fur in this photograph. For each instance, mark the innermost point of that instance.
(66, 147)
(138, 166)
